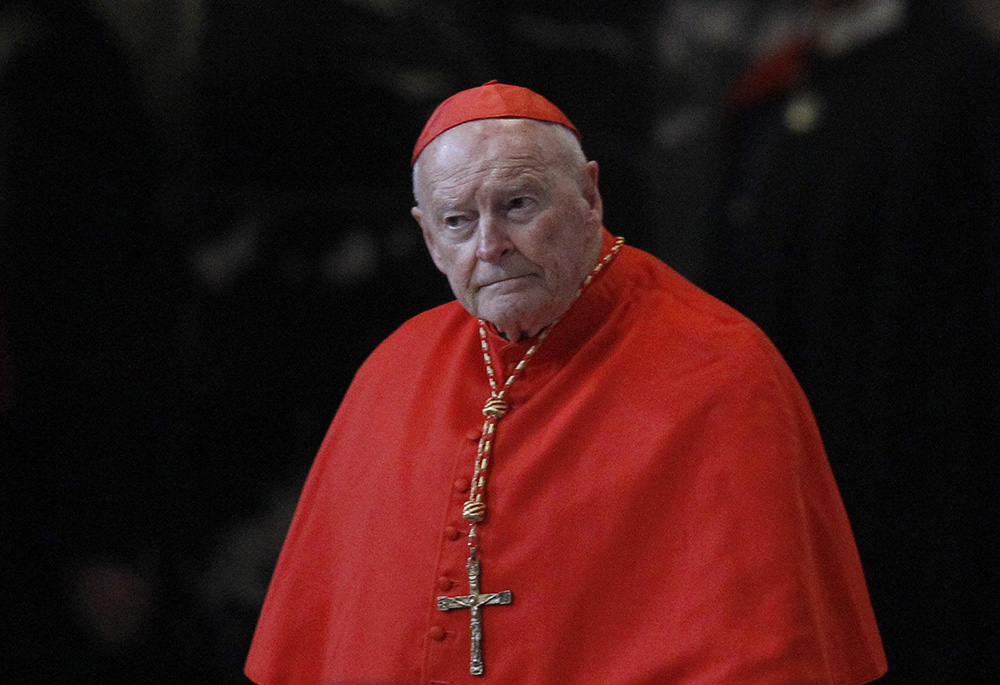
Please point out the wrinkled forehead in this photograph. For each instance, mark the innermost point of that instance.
(497, 147)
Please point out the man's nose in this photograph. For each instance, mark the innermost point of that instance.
(494, 241)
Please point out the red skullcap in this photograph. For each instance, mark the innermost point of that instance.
(491, 100)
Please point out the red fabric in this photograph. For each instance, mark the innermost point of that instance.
(769, 77)
(491, 100)
(660, 506)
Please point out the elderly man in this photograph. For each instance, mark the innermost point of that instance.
(584, 470)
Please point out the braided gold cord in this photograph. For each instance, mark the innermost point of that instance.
(496, 407)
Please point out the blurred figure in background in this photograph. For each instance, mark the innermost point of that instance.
(862, 232)
(85, 297)
(701, 47)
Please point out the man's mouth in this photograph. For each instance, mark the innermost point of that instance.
(505, 279)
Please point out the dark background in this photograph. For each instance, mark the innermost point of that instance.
(204, 230)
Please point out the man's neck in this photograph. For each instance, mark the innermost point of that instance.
(516, 334)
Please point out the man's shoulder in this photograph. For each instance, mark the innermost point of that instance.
(422, 334)
(673, 302)
(447, 314)
(688, 320)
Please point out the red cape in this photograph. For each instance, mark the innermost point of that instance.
(660, 506)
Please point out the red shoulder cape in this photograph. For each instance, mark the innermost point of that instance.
(661, 509)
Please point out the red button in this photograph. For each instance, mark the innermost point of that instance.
(452, 533)
(445, 583)
(474, 434)
(436, 633)
(462, 484)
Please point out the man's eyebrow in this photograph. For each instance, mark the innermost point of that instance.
(447, 197)
(442, 210)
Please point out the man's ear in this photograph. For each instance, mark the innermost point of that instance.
(591, 191)
(429, 236)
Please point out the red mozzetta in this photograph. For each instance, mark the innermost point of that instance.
(660, 507)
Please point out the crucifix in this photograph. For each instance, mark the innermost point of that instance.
(474, 601)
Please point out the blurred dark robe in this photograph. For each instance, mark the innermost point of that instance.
(84, 295)
(862, 232)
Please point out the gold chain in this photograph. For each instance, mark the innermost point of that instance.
(474, 510)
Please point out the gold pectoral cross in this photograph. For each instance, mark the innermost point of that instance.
(474, 601)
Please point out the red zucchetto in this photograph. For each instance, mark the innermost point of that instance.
(492, 100)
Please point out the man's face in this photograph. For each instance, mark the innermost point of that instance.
(511, 217)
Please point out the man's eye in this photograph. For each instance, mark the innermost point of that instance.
(519, 203)
(454, 221)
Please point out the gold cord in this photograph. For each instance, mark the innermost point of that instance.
(496, 407)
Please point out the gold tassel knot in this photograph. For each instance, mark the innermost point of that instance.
(496, 408)
(474, 511)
